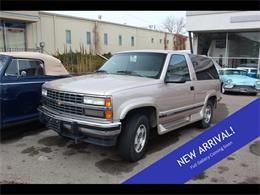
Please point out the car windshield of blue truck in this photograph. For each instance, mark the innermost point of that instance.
(3, 61)
(235, 72)
(144, 64)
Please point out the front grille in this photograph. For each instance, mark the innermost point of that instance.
(53, 104)
(66, 97)
(244, 87)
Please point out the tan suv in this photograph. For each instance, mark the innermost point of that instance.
(134, 94)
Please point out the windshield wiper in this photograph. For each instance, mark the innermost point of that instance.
(103, 71)
(127, 72)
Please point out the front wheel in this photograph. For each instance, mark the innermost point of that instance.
(207, 115)
(133, 140)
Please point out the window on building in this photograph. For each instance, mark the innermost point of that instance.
(68, 36)
(88, 38)
(178, 67)
(231, 49)
(152, 40)
(243, 49)
(167, 42)
(132, 41)
(204, 68)
(105, 39)
(120, 40)
(160, 40)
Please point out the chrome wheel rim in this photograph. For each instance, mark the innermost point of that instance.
(140, 138)
(207, 114)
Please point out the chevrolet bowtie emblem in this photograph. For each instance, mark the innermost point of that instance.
(59, 102)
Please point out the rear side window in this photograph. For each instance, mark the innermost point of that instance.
(178, 66)
(204, 68)
(28, 67)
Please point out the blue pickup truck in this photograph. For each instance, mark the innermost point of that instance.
(21, 77)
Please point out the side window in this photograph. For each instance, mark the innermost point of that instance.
(178, 66)
(28, 67)
(204, 68)
(12, 68)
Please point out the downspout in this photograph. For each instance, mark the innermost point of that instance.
(190, 39)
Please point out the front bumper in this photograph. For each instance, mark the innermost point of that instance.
(104, 134)
(242, 89)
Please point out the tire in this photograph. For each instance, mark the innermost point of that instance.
(133, 125)
(254, 94)
(222, 89)
(206, 121)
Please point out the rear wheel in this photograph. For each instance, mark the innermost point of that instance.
(133, 140)
(207, 115)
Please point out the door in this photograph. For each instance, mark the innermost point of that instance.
(177, 99)
(21, 90)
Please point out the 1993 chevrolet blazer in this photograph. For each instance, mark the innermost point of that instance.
(134, 94)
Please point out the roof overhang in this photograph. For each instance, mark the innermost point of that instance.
(29, 17)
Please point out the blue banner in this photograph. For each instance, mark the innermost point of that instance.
(205, 150)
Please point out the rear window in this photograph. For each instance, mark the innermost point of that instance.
(204, 68)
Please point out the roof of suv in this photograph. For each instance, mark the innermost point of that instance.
(156, 51)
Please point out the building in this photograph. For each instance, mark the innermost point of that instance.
(232, 38)
(28, 30)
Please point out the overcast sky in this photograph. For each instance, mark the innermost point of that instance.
(135, 18)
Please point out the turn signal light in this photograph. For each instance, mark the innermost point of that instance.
(108, 102)
(108, 114)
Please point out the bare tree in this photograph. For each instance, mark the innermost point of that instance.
(174, 25)
(169, 24)
(180, 25)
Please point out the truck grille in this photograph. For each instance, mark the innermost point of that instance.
(67, 97)
(63, 102)
(53, 104)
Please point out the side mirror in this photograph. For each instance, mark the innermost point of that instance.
(175, 79)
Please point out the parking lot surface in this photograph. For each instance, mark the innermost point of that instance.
(33, 154)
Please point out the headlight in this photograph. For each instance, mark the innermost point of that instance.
(44, 92)
(257, 84)
(98, 101)
(229, 81)
(94, 101)
(229, 84)
(107, 102)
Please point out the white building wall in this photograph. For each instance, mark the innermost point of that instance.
(50, 28)
(222, 20)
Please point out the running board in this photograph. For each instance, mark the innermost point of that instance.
(172, 126)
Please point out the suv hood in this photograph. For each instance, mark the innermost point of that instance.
(100, 83)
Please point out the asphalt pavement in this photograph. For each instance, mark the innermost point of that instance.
(34, 154)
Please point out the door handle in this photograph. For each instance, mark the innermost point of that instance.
(192, 88)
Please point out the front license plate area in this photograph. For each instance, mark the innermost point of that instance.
(243, 90)
(54, 124)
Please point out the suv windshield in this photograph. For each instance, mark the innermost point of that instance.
(3, 61)
(143, 64)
